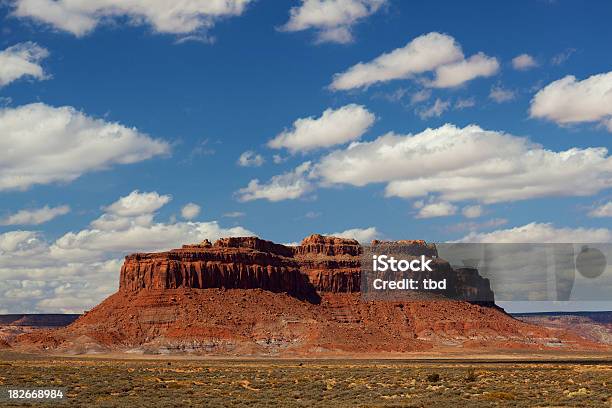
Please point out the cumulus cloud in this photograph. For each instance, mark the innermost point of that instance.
(23, 242)
(82, 17)
(250, 159)
(22, 60)
(332, 19)
(287, 186)
(96, 244)
(190, 211)
(604, 210)
(128, 225)
(64, 144)
(524, 62)
(137, 203)
(363, 235)
(436, 209)
(79, 269)
(568, 100)
(541, 233)
(333, 127)
(437, 109)
(35, 216)
(472, 211)
(460, 72)
(422, 54)
(430, 52)
(501, 95)
(467, 163)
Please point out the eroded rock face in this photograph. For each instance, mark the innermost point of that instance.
(230, 263)
(319, 264)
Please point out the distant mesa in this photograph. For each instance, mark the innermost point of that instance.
(251, 297)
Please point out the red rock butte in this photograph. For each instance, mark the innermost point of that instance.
(324, 264)
(318, 265)
(248, 296)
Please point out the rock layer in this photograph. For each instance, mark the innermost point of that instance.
(318, 265)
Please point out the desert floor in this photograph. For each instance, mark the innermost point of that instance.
(547, 380)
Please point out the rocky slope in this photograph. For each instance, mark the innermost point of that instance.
(247, 296)
(594, 326)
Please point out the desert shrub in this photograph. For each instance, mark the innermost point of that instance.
(499, 395)
(435, 377)
(471, 376)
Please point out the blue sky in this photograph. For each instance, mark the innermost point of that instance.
(238, 79)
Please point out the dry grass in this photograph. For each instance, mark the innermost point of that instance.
(164, 383)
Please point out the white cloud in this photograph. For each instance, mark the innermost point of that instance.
(112, 222)
(604, 210)
(278, 159)
(436, 109)
(82, 17)
(363, 235)
(22, 60)
(472, 211)
(250, 159)
(394, 96)
(420, 96)
(429, 52)
(190, 211)
(568, 101)
(474, 226)
(435, 209)
(422, 54)
(524, 62)
(35, 216)
(64, 144)
(562, 56)
(500, 95)
(467, 163)
(333, 19)
(312, 215)
(287, 186)
(137, 203)
(541, 233)
(234, 214)
(96, 244)
(19, 241)
(460, 72)
(464, 103)
(201, 38)
(79, 269)
(333, 127)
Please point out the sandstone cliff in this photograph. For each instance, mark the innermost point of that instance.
(318, 265)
